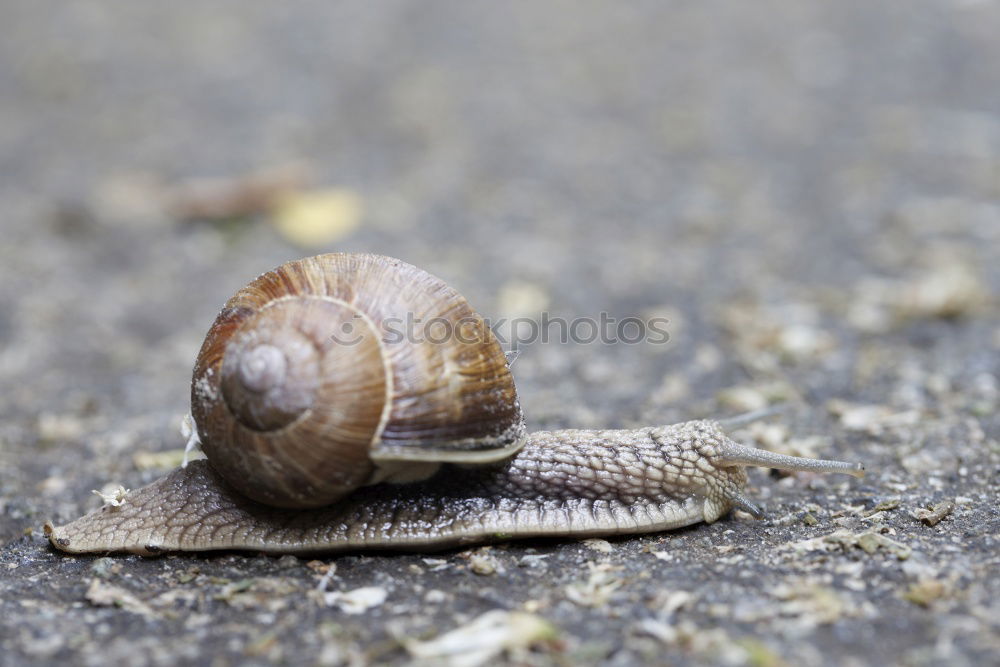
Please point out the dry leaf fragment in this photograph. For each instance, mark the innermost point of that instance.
(436, 564)
(811, 603)
(947, 287)
(933, 516)
(597, 588)
(672, 601)
(520, 298)
(357, 601)
(855, 417)
(317, 218)
(598, 545)
(950, 290)
(883, 506)
(483, 562)
(114, 498)
(742, 399)
(483, 639)
(101, 594)
(236, 197)
(926, 591)
(104, 568)
(56, 428)
(870, 542)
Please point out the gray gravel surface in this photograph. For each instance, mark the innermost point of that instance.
(809, 192)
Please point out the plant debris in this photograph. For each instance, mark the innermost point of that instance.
(597, 588)
(317, 218)
(235, 197)
(483, 562)
(598, 545)
(483, 639)
(870, 542)
(934, 515)
(926, 591)
(357, 601)
(115, 498)
(101, 594)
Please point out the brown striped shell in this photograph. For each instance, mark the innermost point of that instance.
(309, 383)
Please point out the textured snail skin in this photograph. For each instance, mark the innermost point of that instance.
(562, 483)
(579, 483)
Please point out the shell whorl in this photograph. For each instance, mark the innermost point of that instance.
(270, 374)
(287, 415)
(300, 396)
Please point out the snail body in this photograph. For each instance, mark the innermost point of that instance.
(324, 434)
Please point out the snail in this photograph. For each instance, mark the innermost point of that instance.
(324, 433)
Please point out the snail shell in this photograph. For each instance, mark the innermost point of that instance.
(300, 396)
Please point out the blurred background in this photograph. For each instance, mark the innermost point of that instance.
(809, 192)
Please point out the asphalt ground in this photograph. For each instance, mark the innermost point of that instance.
(807, 192)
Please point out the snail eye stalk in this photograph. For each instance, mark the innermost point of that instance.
(732, 454)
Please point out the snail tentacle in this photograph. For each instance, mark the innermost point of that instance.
(733, 454)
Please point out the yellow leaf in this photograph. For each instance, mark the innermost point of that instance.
(317, 218)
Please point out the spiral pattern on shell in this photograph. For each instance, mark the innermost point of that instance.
(299, 396)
